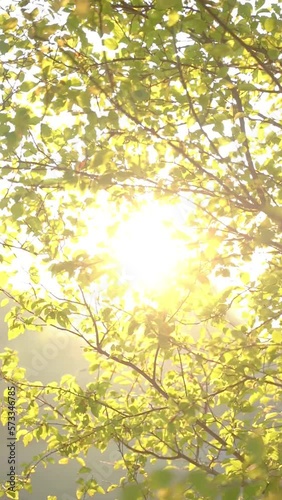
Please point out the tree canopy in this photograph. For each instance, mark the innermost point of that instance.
(160, 118)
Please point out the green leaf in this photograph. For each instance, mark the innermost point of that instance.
(200, 482)
(84, 470)
(111, 43)
(161, 479)
(277, 336)
(168, 4)
(270, 24)
(231, 492)
(132, 492)
(173, 18)
(141, 95)
(4, 47)
(255, 447)
(10, 24)
(27, 438)
(15, 330)
(17, 210)
(101, 158)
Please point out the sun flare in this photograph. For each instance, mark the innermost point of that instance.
(145, 246)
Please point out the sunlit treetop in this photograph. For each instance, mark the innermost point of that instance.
(142, 138)
(116, 114)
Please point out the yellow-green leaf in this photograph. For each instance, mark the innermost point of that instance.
(173, 18)
(270, 24)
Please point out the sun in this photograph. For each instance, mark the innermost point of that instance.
(145, 247)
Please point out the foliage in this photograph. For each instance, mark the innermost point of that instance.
(106, 105)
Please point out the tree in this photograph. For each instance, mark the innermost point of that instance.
(107, 106)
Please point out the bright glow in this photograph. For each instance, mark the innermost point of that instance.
(146, 249)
